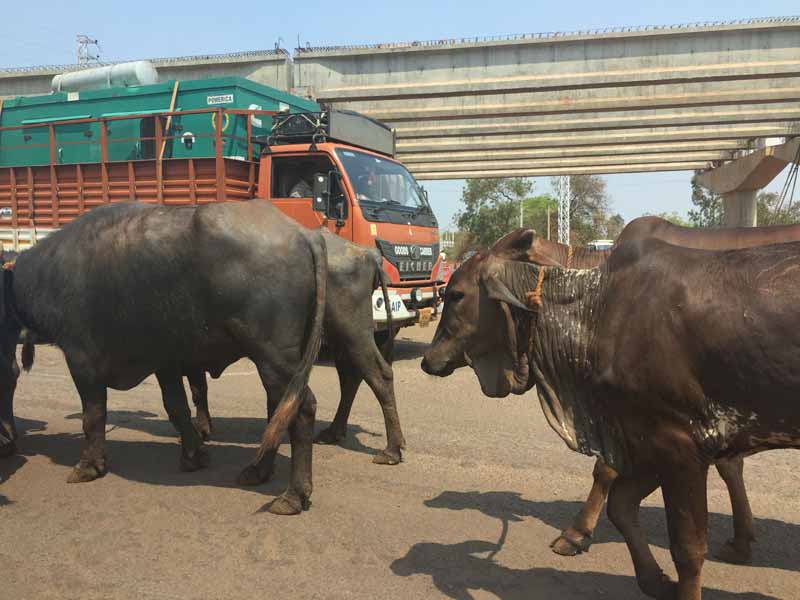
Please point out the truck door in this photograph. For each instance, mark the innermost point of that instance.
(291, 186)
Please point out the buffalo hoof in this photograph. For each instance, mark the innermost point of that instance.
(329, 436)
(199, 460)
(203, 428)
(7, 448)
(254, 475)
(289, 504)
(388, 457)
(83, 472)
(735, 551)
(571, 543)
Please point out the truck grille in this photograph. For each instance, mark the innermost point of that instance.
(413, 261)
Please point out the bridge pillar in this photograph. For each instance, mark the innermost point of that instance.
(739, 208)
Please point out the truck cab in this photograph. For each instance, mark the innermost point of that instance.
(337, 169)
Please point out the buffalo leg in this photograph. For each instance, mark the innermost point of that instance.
(199, 388)
(297, 497)
(94, 401)
(349, 381)
(262, 471)
(624, 499)
(684, 490)
(578, 538)
(363, 360)
(193, 455)
(9, 373)
(737, 550)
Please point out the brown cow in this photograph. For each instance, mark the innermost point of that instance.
(578, 537)
(661, 361)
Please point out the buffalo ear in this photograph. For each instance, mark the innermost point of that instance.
(497, 290)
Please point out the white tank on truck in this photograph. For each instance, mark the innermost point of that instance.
(139, 72)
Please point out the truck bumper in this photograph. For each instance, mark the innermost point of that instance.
(402, 316)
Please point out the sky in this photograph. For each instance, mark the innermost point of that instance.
(43, 32)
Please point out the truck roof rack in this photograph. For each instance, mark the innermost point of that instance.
(343, 126)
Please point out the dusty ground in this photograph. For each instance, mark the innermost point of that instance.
(484, 488)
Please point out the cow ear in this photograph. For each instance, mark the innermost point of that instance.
(516, 245)
(497, 290)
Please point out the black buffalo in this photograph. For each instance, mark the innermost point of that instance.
(353, 274)
(660, 361)
(129, 290)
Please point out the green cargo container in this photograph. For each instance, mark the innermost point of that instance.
(80, 142)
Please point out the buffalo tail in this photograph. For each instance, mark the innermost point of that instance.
(292, 399)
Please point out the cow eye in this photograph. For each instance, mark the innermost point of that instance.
(454, 295)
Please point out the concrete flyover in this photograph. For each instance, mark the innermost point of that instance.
(670, 98)
(270, 67)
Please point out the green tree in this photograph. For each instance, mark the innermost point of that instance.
(491, 208)
(768, 212)
(708, 211)
(536, 212)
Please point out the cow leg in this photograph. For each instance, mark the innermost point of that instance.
(624, 499)
(199, 388)
(297, 497)
(737, 550)
(349, 381)
(193, 455)
(578, 538)
(9, 373)
(684, 490)
(94, 401)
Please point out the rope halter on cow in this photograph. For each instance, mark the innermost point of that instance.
(569, 257)
(534, 298)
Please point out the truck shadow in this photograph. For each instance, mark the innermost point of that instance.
(775, 548)
(457, 570)
(227, 430)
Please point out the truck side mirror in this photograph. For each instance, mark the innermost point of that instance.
(321, 193)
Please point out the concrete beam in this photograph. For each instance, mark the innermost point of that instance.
(769, 113)
(582, 101)
(751, 172)
(504, 165)
(675, 134)
(548, 172)
(578, 151)
(739, 209)
(550, 82)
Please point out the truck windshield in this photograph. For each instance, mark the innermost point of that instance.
(380, 181)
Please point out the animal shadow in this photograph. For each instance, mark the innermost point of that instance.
(227, 430)
(458, 570)
(775, 548)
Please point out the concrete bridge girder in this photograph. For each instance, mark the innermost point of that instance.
(630, 137)
(547, 172)
(609, 121)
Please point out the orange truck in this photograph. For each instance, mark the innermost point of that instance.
(329, 168)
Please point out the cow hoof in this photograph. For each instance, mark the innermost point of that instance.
(329, 436)
(203, 429)
(735, 552)
(660, 586)
(571, 543)
(83, 472)
(254, 475)
(199, 460)
(388, 457)
(289, 504)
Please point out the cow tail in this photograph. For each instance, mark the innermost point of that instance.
(28, 351)
(292, 398)
(387, 347)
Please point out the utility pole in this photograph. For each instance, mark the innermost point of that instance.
(84, 56)
(548, 221)
(564, 194)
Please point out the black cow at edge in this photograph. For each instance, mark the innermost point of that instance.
(659, 361)
(129, 290)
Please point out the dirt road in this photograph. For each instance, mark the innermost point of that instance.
(484, 488)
